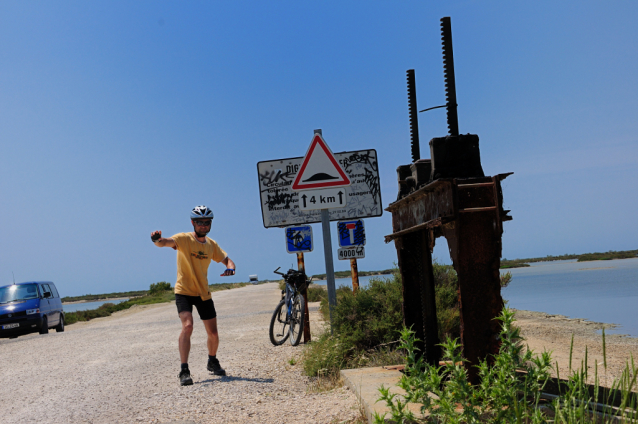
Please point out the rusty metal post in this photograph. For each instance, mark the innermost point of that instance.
(301, 266)
(354, 270)
(469, 213)
(419, 305)
(475, 246)
(432, 352)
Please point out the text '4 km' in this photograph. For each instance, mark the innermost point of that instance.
(322, 199)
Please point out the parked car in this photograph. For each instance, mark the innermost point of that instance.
(29, 307)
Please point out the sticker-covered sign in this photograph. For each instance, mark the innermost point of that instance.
(351, 233)
(298, 239)
(280, 204)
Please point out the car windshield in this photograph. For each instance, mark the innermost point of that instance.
(18, 292)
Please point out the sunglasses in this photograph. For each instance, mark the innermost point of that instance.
(203, 223)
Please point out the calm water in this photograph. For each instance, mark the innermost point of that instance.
(602, 291)
(74, 307)
(339, 282)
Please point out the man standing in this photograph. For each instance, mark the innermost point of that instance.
(194, 253)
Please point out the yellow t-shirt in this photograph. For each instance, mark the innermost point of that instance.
(193, 258)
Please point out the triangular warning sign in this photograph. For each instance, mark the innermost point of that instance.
(319, 168)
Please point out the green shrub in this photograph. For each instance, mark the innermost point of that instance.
(499, 398)
(325, 356)
(371, 317)
(159, 287)
(316, 293)
(365, 327)
(509, 390)
(446, 285)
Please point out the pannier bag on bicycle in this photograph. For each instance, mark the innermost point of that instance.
(296, 278)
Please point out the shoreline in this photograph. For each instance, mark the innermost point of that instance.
(97, 300)
(547, 332)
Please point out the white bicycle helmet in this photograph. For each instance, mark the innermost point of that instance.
(201, 212)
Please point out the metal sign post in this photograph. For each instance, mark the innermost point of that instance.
(301, 266)
(299, 240)
(354, 270)
(327, 251)
(330, 270)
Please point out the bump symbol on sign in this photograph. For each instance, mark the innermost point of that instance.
(320, 168)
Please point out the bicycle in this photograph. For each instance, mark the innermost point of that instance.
(288, 318)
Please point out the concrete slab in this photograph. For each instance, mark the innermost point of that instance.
(365, 383)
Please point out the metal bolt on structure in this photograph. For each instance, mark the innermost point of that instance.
(450, 196)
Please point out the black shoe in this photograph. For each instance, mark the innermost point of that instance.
(214, 367)
(185, 378)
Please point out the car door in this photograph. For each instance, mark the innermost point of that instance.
(45, 305)
(56, 302)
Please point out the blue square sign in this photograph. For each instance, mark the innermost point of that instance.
(299, 239)
(351, 233)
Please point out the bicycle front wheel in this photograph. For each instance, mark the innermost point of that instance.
(297, 320)
(279, 326)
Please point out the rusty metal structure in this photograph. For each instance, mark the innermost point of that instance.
(450, 196)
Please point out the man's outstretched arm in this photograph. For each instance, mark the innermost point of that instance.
(230, 267)
(159, 241)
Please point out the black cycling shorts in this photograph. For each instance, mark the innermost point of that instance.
(205, 308)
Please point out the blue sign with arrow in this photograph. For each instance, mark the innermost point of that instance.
(351, 233)
(299, 239)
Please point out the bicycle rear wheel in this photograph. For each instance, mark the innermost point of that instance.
(279, 326)
(297, 320)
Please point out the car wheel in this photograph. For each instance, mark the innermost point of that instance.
(60, 327)
(45, 326)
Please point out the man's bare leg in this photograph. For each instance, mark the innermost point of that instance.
(213, 344)
(185, 335)
(213, 336)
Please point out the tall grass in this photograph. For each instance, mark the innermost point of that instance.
(510, 391)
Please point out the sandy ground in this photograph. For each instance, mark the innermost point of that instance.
(554, 333)
(123, 369)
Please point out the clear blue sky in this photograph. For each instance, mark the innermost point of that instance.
(117, 117)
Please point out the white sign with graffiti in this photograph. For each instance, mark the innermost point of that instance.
(280, 205)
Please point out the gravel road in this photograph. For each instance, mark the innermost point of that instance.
(123, 369)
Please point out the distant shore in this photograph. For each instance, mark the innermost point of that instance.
(584, 257)
(347, 274)
(95, 300)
